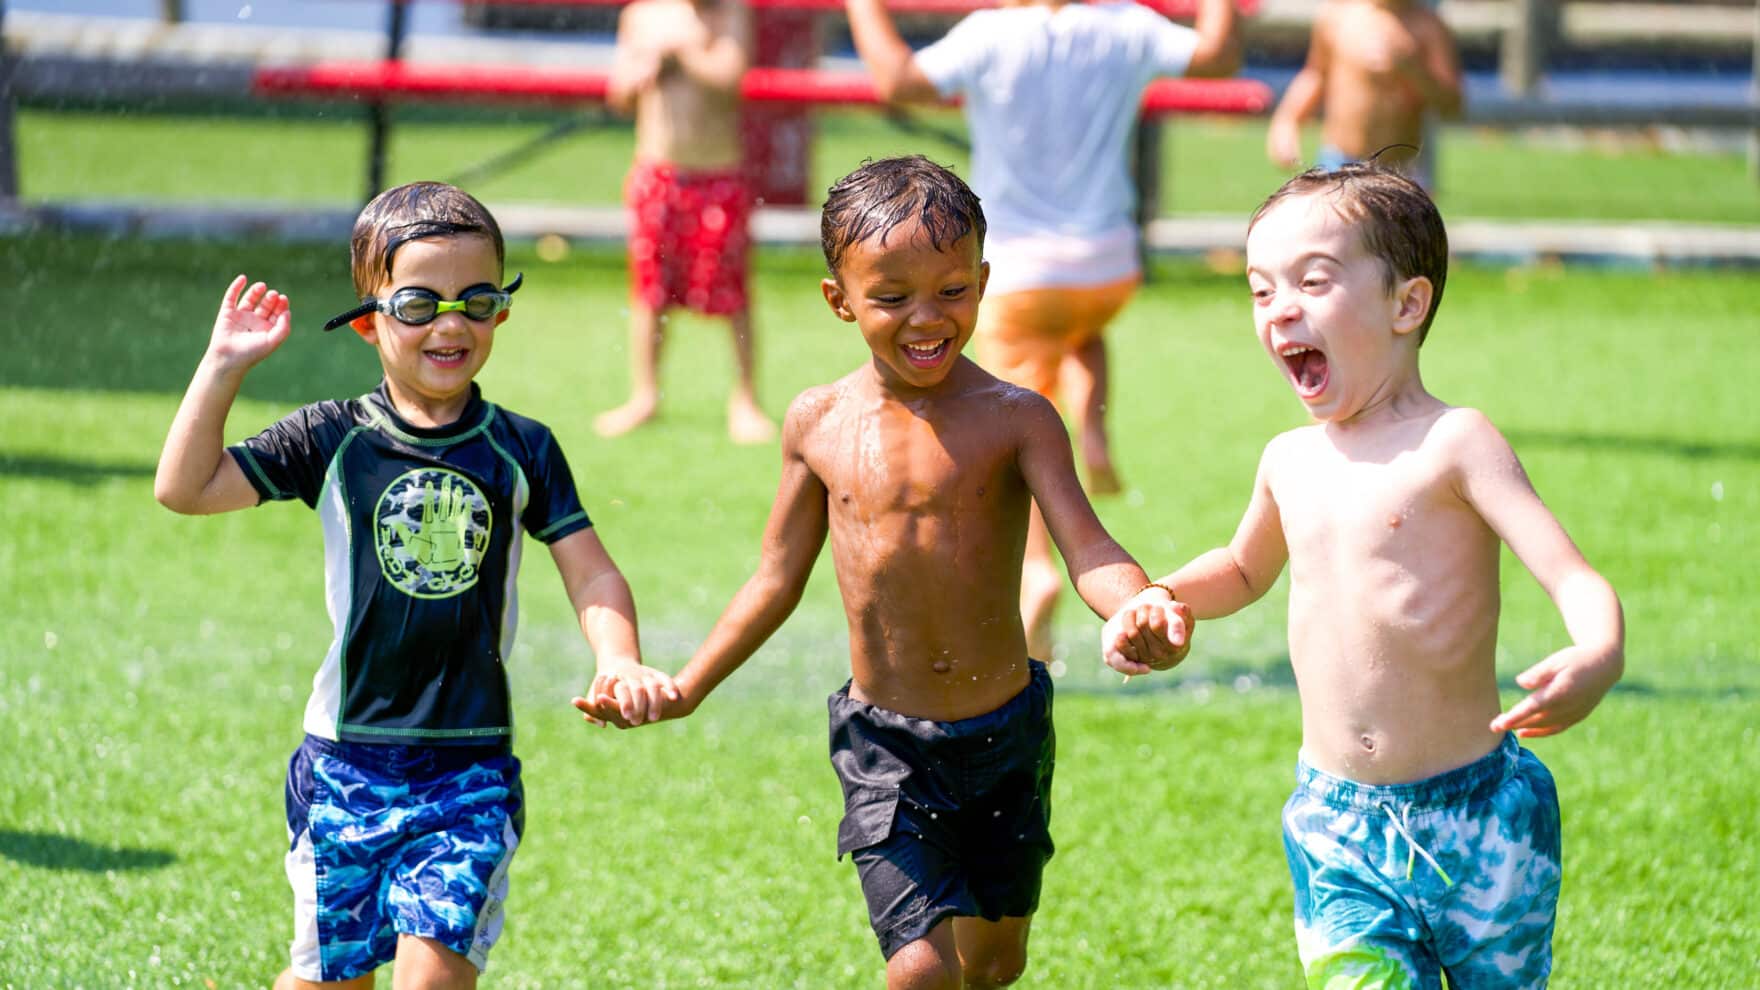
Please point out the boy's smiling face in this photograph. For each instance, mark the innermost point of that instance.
(916, 304)
(1323, 310)
(430, 367)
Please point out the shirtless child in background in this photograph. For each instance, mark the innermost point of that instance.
(1375, 68)
(921, 467)
(678, 65)
(1422, 838)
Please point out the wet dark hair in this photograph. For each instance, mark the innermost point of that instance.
(1396, 218)
(884, 194)
(410, 212)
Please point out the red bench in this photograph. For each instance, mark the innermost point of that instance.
(1178, 9)
(780, 88)
(391, 79)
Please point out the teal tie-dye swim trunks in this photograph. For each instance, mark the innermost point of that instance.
(1456, 875)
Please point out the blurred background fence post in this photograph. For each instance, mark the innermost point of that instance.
(379, 111)
(8, 158)
(1529, 35)
(1146, 158)
(171, 11)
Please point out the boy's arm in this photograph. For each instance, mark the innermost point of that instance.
(1105, 576)
(623, 692)
(890, 61)
(1301, 100)
(1218, 54)
(1566, 686)
(195, 476)
(1214, 584)
(634, 65)
(1227, 579)
(793, 537)
(1435, 69)
(719, 62)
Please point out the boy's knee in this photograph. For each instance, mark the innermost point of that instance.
(996, 971)
(921, 966)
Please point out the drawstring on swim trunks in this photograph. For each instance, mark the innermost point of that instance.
(1415, 850)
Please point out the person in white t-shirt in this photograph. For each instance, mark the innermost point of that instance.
(1051, 93)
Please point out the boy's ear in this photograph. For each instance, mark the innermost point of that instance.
(1412, 301)
(502, 316)
(835, 297)
(365, 326)
(983, 277)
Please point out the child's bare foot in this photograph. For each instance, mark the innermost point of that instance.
(617, 422)
(747, 424)
(1103, 479)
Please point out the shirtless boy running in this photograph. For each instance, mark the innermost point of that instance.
(1422, 838)
(921, 468)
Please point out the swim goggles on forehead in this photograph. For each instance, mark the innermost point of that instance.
(415, 305)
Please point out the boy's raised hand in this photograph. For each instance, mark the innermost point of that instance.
(1562, 690)
(251, 324)
(628, 696)
(1146, 636)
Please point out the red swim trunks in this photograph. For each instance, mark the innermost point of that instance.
(687, 238)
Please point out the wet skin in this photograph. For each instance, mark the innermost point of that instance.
(920, 467)
(1389, 511)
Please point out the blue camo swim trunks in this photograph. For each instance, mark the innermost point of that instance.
(389, 839)
(1397, 886)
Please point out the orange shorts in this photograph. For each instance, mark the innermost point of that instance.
(1023, 336)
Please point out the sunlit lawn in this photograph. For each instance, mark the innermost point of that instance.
(1210, 165)
(153, 667)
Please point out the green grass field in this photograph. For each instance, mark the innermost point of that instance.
(1209, 165)
(153, 668)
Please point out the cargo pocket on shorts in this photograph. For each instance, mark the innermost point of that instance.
(868, 816)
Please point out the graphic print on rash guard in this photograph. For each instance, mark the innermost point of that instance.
(431, 528)
(421, 551)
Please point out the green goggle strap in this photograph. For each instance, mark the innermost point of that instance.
(372, 305)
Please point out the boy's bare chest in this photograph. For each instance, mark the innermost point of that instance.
(1335, 506)
(668, 24)
(1371, 39)
(881, 468)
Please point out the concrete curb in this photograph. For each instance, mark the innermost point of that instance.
(1655, 243)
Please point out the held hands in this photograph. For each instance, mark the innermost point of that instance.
(629, 695)
(1562, 690)
(1149, 633)
(251, 324)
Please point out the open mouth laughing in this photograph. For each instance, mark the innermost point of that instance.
(1307, 366)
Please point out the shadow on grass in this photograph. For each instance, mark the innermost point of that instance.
(134, 315)
(59, 852)
(83, 473)
(1275, 674)
(113, 315)
(1696, 450)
